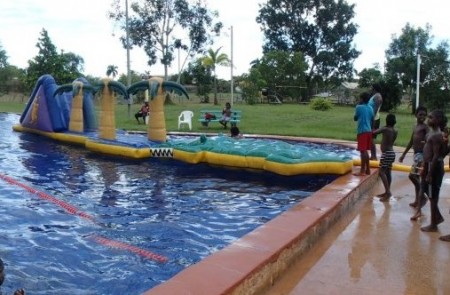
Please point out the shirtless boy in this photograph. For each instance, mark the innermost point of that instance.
(432, 173)
(417, 142)
(389, 135)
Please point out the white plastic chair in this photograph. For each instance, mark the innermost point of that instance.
(185, 118)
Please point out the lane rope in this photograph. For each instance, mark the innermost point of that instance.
(75, 211)
(131, 248)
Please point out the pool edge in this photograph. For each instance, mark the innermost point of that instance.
(250, 264)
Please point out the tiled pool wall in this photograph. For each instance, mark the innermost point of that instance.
(253, 262)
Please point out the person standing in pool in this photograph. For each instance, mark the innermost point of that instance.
(389, 135)
(375, 102)
(417, 142)
(235, 133)
(364, 117)
(434, 151)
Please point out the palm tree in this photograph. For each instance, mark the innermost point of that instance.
(111, 70)
(213, 59)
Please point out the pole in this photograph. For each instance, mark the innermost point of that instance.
(127, 32)
(417, 81)
(232, 80)
(179, 67)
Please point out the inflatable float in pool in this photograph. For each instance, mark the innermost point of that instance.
(67, 113)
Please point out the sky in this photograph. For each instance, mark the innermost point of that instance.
(82, 27)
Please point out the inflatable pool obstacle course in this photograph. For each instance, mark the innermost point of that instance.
(67, 113)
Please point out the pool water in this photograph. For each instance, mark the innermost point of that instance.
(179, 212)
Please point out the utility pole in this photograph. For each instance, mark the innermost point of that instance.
(232, 80)
(418, 80)
(127, 33)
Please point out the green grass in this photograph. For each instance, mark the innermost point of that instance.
(284, 119)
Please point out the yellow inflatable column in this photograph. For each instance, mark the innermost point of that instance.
(76, 113)
(107, 128)
(157, 123)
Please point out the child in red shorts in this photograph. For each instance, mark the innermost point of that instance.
(364, 117)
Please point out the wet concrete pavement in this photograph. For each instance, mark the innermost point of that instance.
(377, 249)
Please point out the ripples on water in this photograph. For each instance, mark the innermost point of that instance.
(181, 211)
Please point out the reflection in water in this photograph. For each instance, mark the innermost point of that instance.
(368, 243)
(382, 232)
(418, 246)
(361, 251)
(108, 174)
(65, 169)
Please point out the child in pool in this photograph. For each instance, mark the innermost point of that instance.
(235, 133)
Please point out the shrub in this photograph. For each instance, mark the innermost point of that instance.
(321, 104)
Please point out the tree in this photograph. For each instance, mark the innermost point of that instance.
(401, 55)
(251, 85)
(3, 72)
(212, 60)
(199, 75)
(367, 77)
(320, 29)
(391, 88)
(283, 71)
(64, 67)
(3, 58)
(111, 70)
(401, 59)
(71, 66)
(162, 26)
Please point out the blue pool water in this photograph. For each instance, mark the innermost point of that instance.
(180, 211)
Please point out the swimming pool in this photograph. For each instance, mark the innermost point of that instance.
(177, 211)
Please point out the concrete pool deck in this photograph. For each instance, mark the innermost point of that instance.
(340, 240)
(376, 249)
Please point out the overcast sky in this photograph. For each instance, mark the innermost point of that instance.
(82, 27)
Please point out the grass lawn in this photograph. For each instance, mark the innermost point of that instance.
(283, 119)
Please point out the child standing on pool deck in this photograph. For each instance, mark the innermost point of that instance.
(364, 117)
(434, 151)
(389, 135)
(417, 142)
(446, 132)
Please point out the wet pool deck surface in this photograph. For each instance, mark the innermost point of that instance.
(341, 240)
(376, 249)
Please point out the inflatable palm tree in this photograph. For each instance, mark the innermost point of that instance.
(76, 123)
(157, 88)
(109, 88)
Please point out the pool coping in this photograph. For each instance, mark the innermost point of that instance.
(251, 264)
